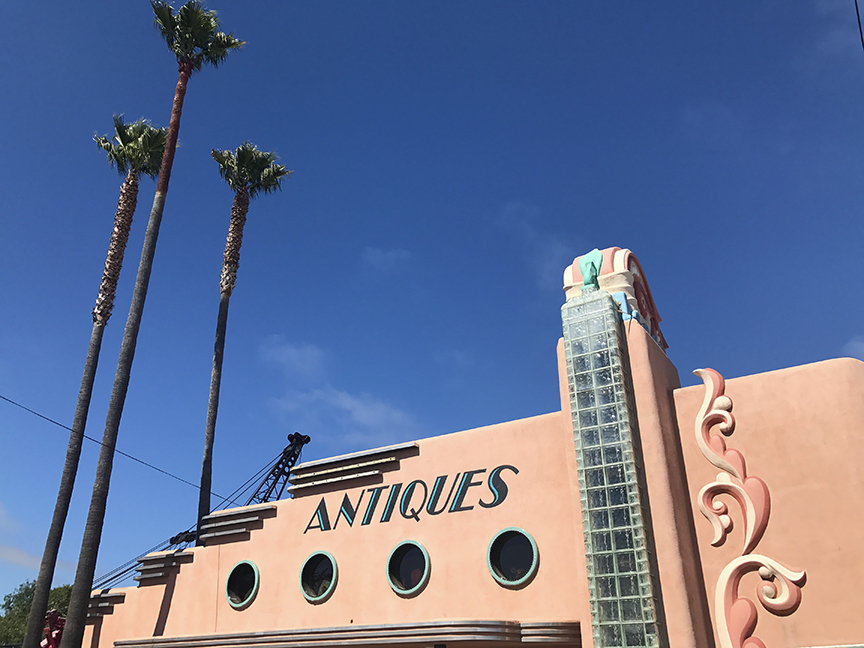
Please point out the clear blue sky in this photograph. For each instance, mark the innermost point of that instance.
(450, 159)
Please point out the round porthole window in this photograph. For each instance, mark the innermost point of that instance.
(318, 577)
(408, 568)
(241, 586)
(512, 557)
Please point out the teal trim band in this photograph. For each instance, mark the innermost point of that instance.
(327, 593)
(424, 579)
(246, 602)
(495, 570)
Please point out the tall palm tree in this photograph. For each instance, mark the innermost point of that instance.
(192, 34)
(136, 148)
(249, 173)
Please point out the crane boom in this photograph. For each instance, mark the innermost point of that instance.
(277, 478)
(270, 489)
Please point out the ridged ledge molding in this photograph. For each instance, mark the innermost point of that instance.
(449, 632)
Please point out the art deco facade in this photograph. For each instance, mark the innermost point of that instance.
(727, 514)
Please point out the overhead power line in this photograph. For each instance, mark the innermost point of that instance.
(860, 31)
(124, 572)
(120, 452)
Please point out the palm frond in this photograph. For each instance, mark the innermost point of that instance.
(116, 157)
(195, 28)
(192, 33)
(116, 152)
(121, 131)
(137, 146)
(219, 47)
(270, 180)
(103, 142)
(151, 145)
(227, 167)
(164, 21)
(249, 167)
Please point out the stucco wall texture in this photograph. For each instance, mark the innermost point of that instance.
(800, 430)
(540, 500)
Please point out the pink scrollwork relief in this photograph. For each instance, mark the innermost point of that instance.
(752, 496)
(780, 593)
(750, 492)
(717, 410)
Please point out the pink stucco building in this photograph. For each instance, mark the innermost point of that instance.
(727, 514)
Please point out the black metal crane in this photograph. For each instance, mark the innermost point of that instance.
(271, 488)
(277, 479)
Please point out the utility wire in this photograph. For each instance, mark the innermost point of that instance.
(860, 31)
(245, 486)
(89, 438)
(121, 573)
(106, 579)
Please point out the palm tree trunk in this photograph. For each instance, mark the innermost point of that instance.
(117, 248)
(39, 607)
(104, 303)
(230, 264)
(73, 633)
(212, 410)
(231, 257)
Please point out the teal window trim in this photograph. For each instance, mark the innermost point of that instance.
(329, 591)
(424, 579)
(251, 597)
(496, 573)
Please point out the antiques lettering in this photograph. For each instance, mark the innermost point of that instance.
(417, 499)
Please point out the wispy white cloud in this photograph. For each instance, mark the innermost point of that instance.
(837, 35)
(378, 260)
(345, 421)
(7, 523)
(546, 253)
(835, 43)
(454, 359)
(340, 420)
(19, 557)
(854, 348)
(457, 367)
(12, 555)
(304, 363)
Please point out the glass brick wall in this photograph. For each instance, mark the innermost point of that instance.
(622, 585)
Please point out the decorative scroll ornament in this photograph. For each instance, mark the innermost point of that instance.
(717, 410)
(781, 590)
(752, 496)
(736, 617)
(750, 492)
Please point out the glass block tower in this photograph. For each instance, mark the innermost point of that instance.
(623, 585)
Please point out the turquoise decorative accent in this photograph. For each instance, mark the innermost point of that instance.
(532, 570)
(233, 599)
(589, 266)
(627, 312)
(624, 305)
(323, 596)
(424, 579)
